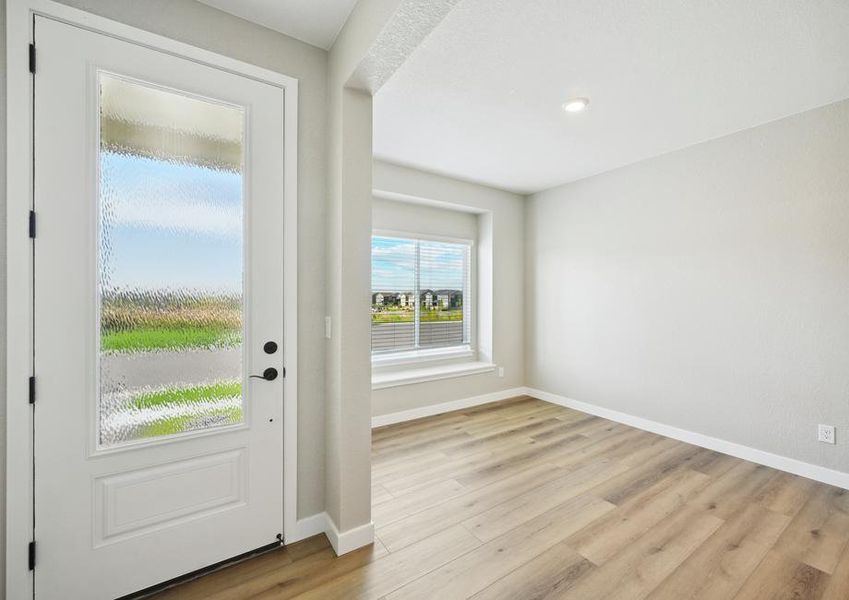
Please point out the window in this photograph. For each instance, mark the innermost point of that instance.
(420, 295)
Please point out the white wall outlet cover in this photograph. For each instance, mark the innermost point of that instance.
(825, 434)
(501, 371)
(328, 327)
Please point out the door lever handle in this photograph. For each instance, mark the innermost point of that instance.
(270, 374)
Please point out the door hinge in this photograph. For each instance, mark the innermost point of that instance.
(31, 551)
(32, 224)
(32, 390)
(32, 58)
(284, 371)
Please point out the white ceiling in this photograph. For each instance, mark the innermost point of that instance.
(315, 22)
(480, 98)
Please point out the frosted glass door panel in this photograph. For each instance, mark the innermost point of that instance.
(170, 262)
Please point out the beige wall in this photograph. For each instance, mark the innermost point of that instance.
(376, 39)
(334, 161)
(397, 216)
(2, 298)
(706, 289)
(506, 213)
(348, 434)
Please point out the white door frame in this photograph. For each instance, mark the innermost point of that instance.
(19, 267)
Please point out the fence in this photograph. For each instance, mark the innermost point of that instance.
(432, 334)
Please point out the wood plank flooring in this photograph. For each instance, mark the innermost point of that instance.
(525, 500)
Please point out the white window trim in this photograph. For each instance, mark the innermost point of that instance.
(425, 355)
(467, 352)
(425, 237)
(392, 369)
(388, 379)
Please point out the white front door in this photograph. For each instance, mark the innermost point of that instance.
(158, 294)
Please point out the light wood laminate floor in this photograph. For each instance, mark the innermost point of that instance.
(522, 499)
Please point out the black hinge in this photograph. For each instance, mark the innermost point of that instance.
(32, 58)
(32, 224)
(32, 390)
(284, 371)
(31, 556)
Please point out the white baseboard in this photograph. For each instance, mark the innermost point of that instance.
(348, 541)
(308, 527)
(342, 542)
(776, 461)
(437, 409)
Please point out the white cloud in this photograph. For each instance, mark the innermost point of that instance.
(196, 217)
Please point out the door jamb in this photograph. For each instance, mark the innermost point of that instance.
(19, 195)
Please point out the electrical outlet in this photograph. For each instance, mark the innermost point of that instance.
(825, 434)
(327, 327)
(501, 371)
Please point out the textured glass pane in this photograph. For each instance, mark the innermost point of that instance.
(443, 272)
(393, 284)
(171, 262)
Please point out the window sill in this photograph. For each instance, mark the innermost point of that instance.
(381, 381)
(418, 357)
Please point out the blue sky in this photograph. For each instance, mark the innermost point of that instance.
(170, 226)
(393, 265)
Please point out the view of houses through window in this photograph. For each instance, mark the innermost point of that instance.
(419, 294)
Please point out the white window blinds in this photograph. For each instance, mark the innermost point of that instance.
(420, 294)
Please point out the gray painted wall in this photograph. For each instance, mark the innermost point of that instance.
(507, 335)
(706, 289)
(409, 217)
(3, 298)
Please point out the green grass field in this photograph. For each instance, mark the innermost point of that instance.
(182, 424)
(142, 339)
(407, 316)
(130, 324)
(201, 393)
(138, 323)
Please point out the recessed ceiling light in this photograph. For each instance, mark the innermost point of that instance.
(576, 105)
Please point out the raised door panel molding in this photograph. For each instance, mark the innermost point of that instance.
(159, 496)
